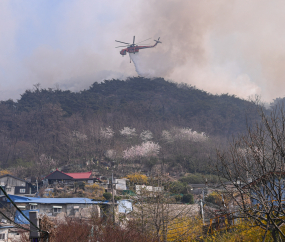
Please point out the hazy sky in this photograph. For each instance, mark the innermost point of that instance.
(221, 46)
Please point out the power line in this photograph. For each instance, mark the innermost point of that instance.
(17, 225)
(4, 192)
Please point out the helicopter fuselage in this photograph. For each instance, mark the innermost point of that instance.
(134, 49)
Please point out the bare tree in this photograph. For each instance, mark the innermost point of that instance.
(156, 212)
(254, 168)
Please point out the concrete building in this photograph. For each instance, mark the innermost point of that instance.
(120, 184)
(141, 189)
(54, 206)
(125, 206)
(9, 233)
(16, 186)
(4, 232)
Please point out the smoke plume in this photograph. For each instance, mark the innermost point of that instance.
(220, 46)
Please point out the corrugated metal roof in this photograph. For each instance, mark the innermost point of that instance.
(79, 175)
(15, 178)
(56, 172)
(79, 200)
(7, 227)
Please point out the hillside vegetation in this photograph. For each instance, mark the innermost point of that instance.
(48, 128)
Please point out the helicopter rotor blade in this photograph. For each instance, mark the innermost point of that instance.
(122, 42)
(143, 40)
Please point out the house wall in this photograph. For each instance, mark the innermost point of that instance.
(144, 188)
(14, 185)
(14, 235)
(68, 209)
(4, 231)
(70, 181)
(120, 184)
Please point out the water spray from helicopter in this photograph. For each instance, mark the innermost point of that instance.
(135, 58)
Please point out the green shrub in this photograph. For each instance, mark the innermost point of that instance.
(107, 195)
(178, 198)
(188, 198)
(178, 187)
(210, 199)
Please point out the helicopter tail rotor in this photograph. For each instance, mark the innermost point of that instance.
(157, 41)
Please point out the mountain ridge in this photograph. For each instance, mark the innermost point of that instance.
(149, 99)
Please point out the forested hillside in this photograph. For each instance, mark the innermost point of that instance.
(96, 127)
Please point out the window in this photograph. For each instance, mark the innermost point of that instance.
(56, 210)
(76, 208)
(33, 207)
(22, 190)
(8, 189)
(2, 236)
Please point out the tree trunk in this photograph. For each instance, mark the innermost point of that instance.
(276, 235)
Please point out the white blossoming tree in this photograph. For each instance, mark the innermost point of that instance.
(166, 136)
(111, 154)
(146, 149)
(183, 134)
(188, 134)
(128, 132)
(106, 133)
(146, 135)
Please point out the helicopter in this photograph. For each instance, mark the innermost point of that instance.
(133, 48)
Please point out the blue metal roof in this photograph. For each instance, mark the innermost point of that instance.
(79, 200)
(7, 227)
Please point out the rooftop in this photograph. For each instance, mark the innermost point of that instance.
(73, 200)
(80, 175)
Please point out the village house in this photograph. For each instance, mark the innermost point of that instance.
(120, 184)
(267, 189)
(10, 233)
(52, 207)
(16, 186)
(150, 190)
(69, 178)
(4, 230)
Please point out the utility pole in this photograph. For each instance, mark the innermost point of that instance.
(113, 200)
(34, 232)
(202, 211)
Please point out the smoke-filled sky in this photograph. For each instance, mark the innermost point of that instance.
(221, 46)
